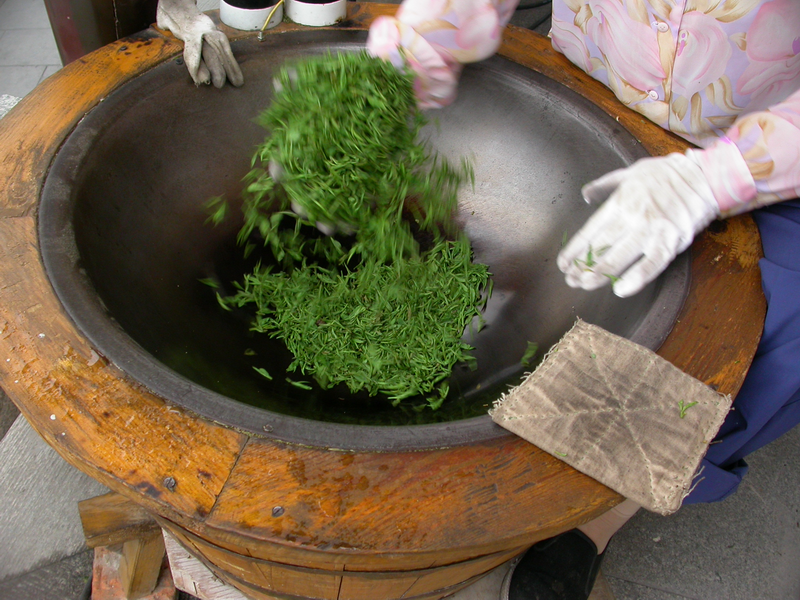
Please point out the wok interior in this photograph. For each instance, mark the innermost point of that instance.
(126, 242)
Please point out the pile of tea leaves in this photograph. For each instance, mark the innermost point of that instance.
(382, 305)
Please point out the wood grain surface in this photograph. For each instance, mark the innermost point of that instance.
(113, 519)
(332, 582)
(317, 509)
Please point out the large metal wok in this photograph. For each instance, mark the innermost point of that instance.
(125, 242)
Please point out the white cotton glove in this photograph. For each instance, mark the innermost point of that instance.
(652, 210)
(206, 50)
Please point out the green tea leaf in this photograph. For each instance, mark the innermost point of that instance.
(383, 305)
(303, 385)
(263, 372)
(530, 354)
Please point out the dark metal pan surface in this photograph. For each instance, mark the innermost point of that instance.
(124, 238)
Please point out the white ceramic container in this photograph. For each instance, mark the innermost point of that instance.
(248, 19)
(316, 15)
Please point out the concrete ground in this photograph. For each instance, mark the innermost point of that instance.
(745, 548)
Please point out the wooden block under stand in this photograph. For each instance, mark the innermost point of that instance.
(141, 565)
(107, 584)
(112, 519)
(129, 550)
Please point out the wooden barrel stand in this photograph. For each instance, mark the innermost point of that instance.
(283, 521)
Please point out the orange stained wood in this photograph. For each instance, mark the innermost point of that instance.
(112, 519)
(366, 510)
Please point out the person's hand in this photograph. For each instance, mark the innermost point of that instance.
(652, 210)
(436, 72)
(436, 39)
(206, 51)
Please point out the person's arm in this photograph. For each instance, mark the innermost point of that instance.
(758, 162)
(206, 51)
(436, 37)
(653, 209)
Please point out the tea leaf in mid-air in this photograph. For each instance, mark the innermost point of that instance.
(382, 305)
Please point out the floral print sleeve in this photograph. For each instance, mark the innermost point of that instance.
(436, 37)
(769, 145)
(723, 75)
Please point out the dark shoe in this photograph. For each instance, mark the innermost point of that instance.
(561, 568)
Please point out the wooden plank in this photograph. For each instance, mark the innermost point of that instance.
(387, 585)
(96, 417)
(408, 508)
(113, 519)
(140, 564)
(193, 577)
(273, 578)
(335, 583)
(255, 593)
(107, 583)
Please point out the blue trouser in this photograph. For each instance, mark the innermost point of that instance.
(768, 404)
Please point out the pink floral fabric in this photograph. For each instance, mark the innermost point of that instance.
(436, 37)
(725, 75)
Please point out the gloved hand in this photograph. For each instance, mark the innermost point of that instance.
(652, 210)
(436, 39)
(436, 72)
(206, 51)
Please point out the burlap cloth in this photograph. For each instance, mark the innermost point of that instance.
(619, 413)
